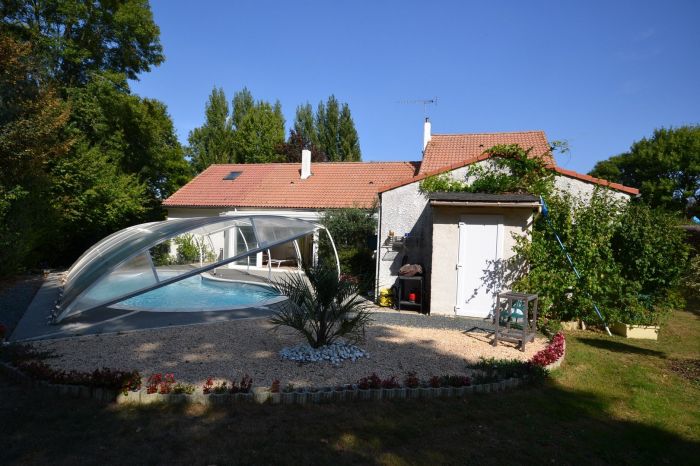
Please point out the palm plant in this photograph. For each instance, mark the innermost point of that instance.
(322, 306)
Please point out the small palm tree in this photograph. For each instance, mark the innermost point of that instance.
(322, 306)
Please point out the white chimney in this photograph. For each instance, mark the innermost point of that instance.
(426, 133)
(305, 164)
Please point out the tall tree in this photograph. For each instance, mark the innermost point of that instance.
(32, 121)
(260, 133)
(213, 142)
(336, 133)
(327, 120)
(665, 167)
(348, 141)
(76, 37)
(243, 102)
(304, 126)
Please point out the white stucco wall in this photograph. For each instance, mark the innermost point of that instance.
(583, 190)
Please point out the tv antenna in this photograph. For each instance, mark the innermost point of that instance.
(425, 103)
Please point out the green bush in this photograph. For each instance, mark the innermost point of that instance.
(188, 250)
(352, 229)
(631, 258)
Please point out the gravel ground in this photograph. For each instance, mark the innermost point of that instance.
(227, 350)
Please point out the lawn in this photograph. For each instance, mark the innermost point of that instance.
(613, 401)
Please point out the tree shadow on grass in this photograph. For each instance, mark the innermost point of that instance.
(619, 347)
(527, 426)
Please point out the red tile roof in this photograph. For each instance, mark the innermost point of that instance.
(447, 152)
(331, 185)
(348, 184)
(463, 149)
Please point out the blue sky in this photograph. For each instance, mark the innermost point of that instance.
(599, 75)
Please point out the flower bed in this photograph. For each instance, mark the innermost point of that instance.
(551, 357)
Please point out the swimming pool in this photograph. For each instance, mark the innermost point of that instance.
(199, 293)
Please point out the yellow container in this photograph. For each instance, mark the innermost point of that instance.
(385, 298)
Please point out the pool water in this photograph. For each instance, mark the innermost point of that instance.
(198, 294)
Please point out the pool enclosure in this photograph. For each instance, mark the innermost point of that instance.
(142, 258)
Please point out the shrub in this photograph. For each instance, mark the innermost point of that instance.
(189, 248)
(183, 388)
(353, 231)
(630, 258)
(244, 386)
(390, 382)
(321, 306)
(412, 380)
(371, 382)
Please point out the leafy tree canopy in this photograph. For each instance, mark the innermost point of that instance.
(75, 37)
(665, 167)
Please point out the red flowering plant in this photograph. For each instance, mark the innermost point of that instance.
(275, 387)
(391, 382)
(551, 353)
(372, 382)
(157, 383)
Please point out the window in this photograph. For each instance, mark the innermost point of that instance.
(232, 176)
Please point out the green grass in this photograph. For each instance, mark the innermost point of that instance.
(613, 401)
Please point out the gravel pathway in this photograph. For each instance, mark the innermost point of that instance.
(396, 344)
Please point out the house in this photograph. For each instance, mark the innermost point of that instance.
(461, 238)
(456, 237)
(282, 189)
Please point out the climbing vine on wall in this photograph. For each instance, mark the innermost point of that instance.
(511, 169)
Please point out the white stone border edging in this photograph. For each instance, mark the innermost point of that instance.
(259, 394)
(262, 395)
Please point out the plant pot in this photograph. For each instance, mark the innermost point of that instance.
(176, 398)
(459, 391)
(480, 388)
(445, 392)
(339, 394)
(275, 398)
(400, 393)
(375, 394)
(261, 394)
(218, 399)
(425, 393)
(243, 397)
(301, 397)
(495, 387)
(315, 397)
(287, 398)
(388, 393)
(364, 394)
(641, 332)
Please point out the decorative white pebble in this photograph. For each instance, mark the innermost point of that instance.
(335, 353)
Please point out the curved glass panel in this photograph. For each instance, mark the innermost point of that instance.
(147, 256)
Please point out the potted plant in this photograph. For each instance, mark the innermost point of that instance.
(412, 384)
(288, 394)
(390, 386)
(275, 396)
